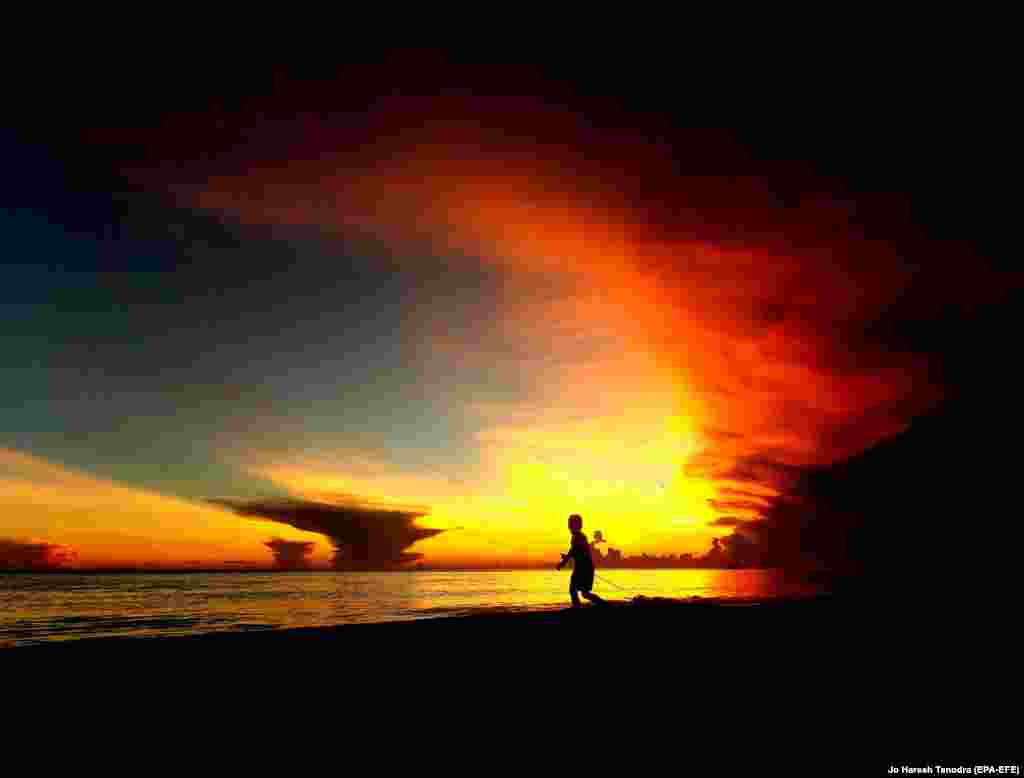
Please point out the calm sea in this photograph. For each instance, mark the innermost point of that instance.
(40, 608)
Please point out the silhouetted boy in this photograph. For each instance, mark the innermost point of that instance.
(582, 579)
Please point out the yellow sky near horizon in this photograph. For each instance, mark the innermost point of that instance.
(620, 465)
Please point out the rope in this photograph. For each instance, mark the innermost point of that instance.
(610, 583)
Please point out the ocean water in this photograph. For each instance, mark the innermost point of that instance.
(41, 608)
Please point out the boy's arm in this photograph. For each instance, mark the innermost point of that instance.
(565, 558)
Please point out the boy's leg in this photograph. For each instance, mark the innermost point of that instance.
(573, 594)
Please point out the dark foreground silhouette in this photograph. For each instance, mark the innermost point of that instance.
(871, 679)
(827, 637)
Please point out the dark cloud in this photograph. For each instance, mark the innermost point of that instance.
(898, 516)
(29, 555)
(742, 550)
(760, 469)
(291, 554)
(743, 494)
(739, 505)
(365, 537)
(729, 521)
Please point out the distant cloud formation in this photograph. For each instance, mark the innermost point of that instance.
(291, 554)
(34, 555)
(52, 512)
(365, 537)
(893, 515)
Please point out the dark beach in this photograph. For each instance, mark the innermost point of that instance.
(825, 636)
(847, 680)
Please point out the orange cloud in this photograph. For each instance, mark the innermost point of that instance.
(665, 301)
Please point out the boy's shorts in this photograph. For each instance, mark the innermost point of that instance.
(582, 580)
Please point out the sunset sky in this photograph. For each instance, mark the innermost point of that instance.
(489, 305)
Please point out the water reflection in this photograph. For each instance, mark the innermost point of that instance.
(35, 608)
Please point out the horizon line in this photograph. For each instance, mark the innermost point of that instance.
(411, 569)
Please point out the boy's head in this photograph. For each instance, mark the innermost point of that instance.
(575, 523)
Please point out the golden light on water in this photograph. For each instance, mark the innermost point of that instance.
(69, 607)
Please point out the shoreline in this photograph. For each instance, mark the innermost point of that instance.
(829, 621)
(641, 612)
(267, 570)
